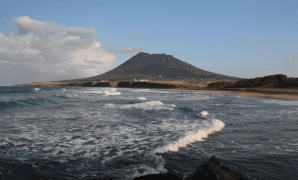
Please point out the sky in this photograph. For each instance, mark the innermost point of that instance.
(57, 40)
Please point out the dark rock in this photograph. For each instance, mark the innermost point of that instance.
(150, 85)
(123, 84)
(159, 177)
(213, 171)
(272, 81)
(129, 84)
(87, 84)
(102, 84)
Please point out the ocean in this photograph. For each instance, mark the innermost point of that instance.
(121, 133)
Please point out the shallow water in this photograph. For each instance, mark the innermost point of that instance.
(81, 133)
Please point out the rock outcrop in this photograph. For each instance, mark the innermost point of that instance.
(213, 171)
(210, 170)
(272, 81)
(87, 84)
(144, 85)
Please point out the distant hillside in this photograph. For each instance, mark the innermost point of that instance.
(272, 81)
(157, 67)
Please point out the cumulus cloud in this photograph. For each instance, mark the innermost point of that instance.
(243, 38)
(140, 36)
(291, 59)
(39, 51)
(111, 48)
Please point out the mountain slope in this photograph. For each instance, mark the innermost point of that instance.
(157, 67)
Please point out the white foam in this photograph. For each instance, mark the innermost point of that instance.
(142, 98)
(93, 92)
(105, 159)
(63, 89)
(204, 113)
(112, 93)
(160, 168)
(280, 102)
(36, 89)
(143, 90)
(191, 137)
(150, 105)
(113, 89)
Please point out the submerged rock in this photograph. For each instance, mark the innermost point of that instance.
(213, 171)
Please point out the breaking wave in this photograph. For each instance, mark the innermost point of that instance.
(192, 136)
(280, 102)
(204, 113)
(149, 105)
(112, 93)
(142, 98)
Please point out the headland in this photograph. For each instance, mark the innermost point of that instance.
(273, 87)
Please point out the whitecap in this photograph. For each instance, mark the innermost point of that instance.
(113, 89)
(147, 169)
(142, 98)
(93, 92)
(141, 90)
(36, 89)
(280, 102)
(204, 113)
(149, 105)
(192, 136)
(108, 93)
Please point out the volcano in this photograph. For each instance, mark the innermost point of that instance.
(157, 67)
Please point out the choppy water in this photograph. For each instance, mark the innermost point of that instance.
(85, 133)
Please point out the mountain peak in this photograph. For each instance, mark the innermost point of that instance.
(157, 67)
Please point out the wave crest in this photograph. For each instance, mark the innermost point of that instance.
(191, 137)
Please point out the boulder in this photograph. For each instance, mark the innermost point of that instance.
(213, 171)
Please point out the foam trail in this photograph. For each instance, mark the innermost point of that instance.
(192, 136)
(142, 98)
(204, 113)
(108, 93)
(160, 167)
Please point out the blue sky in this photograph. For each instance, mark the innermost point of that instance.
(234, 37)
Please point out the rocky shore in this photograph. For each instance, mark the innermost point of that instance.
(275, 86)
(210, 170)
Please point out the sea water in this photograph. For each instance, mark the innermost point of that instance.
(119, 133)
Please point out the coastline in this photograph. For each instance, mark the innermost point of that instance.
(195, 86)
(246, 93)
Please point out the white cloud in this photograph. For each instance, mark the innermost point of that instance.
(25, 25)
(41, 52)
